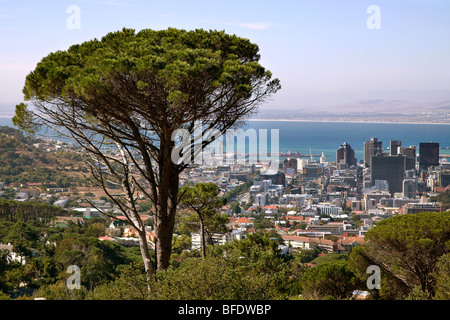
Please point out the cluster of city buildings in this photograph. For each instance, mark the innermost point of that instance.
(343, 199)
(311, 203)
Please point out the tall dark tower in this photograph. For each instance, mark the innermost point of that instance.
(345, 154)
(410, 154)
(390, 168)
(394, 144)
(371, 148)
(428, 155)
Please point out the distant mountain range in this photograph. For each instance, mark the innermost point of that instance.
(395, 106)
(374, 110)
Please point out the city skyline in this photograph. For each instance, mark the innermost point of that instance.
(357, 55)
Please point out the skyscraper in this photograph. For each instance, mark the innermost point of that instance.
(371, 148)
(390, 168)
(443, 178)
(410, 188)
(428, 155)
(410, 154)
(345, 154)
(394, 144)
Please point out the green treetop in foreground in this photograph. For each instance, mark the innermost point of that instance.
(203, 199)
(408, 249)
(122, 98)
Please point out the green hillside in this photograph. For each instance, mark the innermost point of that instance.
(21, 161)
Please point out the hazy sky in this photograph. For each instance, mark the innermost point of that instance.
(323, 51)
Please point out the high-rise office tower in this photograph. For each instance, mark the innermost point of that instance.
(410, 154)
(444, 178)
(390, 168)
(410, 188)
(428, 155)
(394, 144)
(345, 154)
(371, 148)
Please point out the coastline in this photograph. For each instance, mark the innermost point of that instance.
(324, 120)
(350, 121)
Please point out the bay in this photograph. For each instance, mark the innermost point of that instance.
(317, 137)
(326, 137)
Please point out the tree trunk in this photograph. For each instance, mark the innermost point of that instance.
(163, 235)
(165, 218)
(148, 266)
(202, 237)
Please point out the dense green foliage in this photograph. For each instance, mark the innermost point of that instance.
(49, 250)
(39, 212)
(245, 270)
(329, 280)
(170, 60)
(444, 198)
(407, 248)
(202, 198)
(412, 252)
(332, 257)
(442, 275)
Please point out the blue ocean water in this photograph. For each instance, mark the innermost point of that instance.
(326, 137)
(299, 136)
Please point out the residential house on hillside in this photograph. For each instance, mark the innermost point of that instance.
(327, 245)
(347, 243)
(117, 224)
(13, 256)
(132, 232)
(225, 210)
(301, 243)
(244, 222)
(270, 209)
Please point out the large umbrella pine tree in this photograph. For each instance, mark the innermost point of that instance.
(122, 98)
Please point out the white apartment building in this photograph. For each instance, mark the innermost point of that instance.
(260, 199)
(329, 210)
(217, 238)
